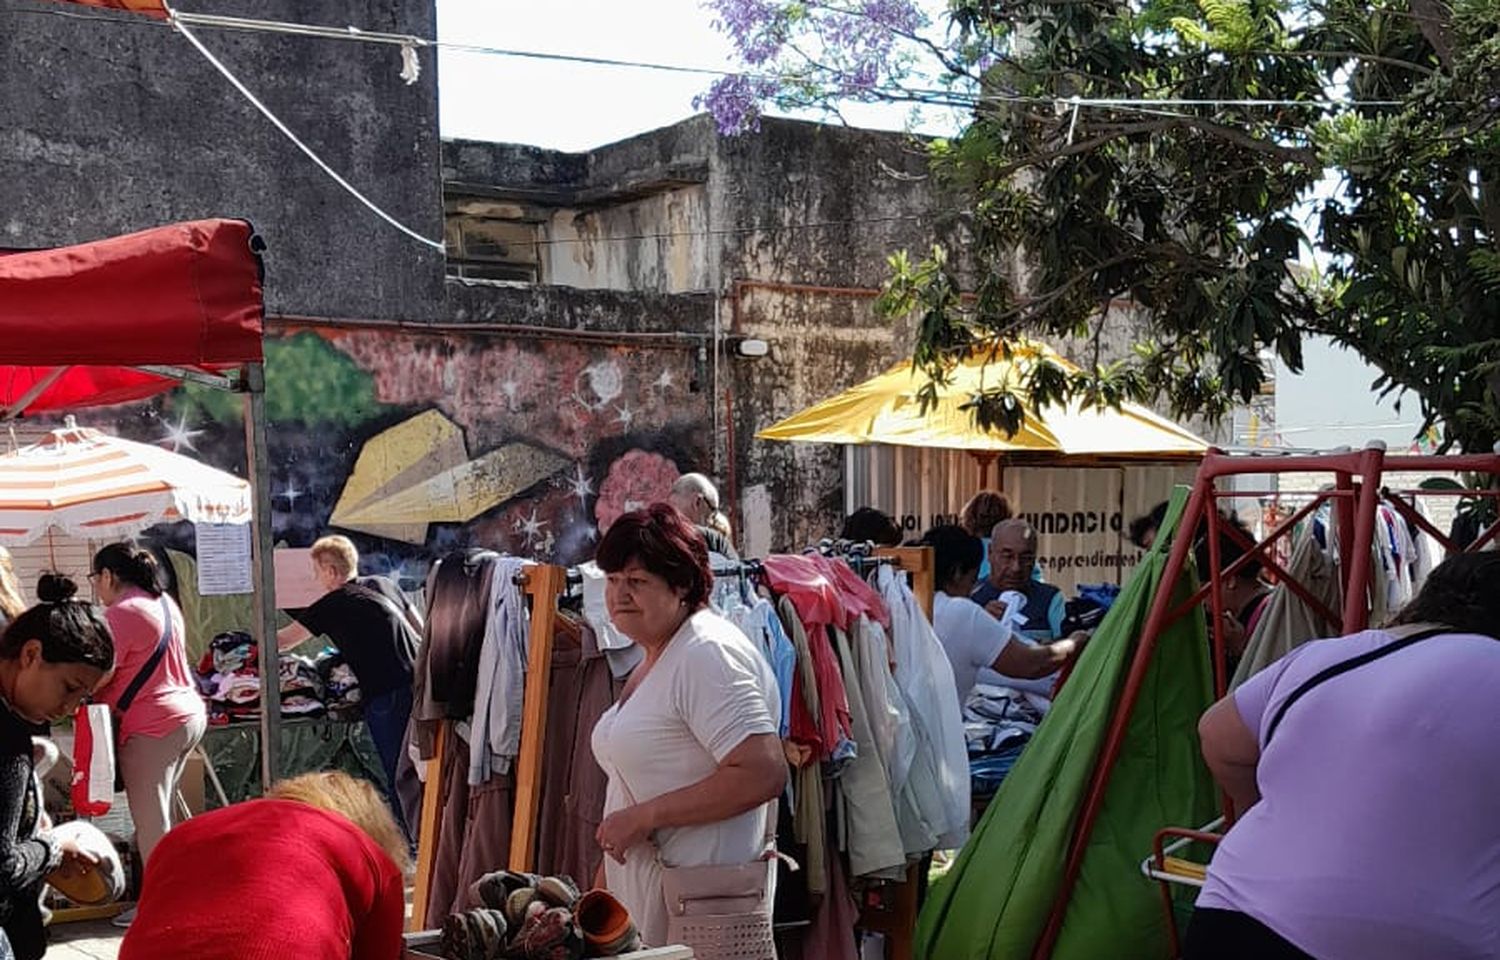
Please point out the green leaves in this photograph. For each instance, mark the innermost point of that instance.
(1231, 27)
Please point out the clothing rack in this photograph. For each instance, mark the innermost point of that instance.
(544, 584)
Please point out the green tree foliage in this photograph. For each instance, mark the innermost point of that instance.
(307, 380)
(1180, 157)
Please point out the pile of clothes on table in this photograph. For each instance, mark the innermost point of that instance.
(229, 679)
(1000, 720)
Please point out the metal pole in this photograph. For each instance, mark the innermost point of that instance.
(1357, 599)
(263, 575)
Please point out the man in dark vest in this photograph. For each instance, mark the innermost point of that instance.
(1012, 562)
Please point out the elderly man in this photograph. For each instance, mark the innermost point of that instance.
(696, 497)
(1040, 619)
(1012, 560)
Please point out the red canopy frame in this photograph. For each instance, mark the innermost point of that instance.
(133, 316)
(1356, 495)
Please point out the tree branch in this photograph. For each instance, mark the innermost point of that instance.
(1434, 19)
(1350, 55)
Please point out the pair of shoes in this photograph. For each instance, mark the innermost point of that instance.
(124, 920)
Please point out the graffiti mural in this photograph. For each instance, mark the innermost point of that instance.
(413, 444)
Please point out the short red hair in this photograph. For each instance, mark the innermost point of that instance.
(664, 542)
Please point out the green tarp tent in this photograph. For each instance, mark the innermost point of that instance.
(994, 902)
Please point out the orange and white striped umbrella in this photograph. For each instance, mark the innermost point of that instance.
(89, 484)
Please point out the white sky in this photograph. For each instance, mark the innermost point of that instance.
(575, 107)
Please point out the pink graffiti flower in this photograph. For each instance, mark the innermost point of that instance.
(637, 479)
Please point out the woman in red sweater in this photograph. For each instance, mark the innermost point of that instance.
(313, 871)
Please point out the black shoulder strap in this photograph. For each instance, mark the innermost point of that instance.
(1328, 673)
(152, 662)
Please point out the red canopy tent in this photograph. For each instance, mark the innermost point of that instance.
(150, 8)
(130, 317)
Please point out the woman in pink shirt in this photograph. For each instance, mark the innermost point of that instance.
(160, 714)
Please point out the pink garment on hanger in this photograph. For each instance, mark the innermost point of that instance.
(859, 596)
(825, 590)
(809, 584)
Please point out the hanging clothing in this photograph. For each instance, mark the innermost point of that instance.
(573, 783)
(1286, 620)
(892, 727)
(495, 729)
(867, 816)
(808, 819)
(831, 936)
(833, 733)
(807, 583)
(446, 672)
(760, 623)
(473, 830)
(939, 778)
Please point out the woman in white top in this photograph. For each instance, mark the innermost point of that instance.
(691, 747)
(971, 636)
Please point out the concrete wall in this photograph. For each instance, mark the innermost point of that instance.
(113, 123)
(811, 207)
(661, 243)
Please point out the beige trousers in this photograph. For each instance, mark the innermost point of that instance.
(151, 768)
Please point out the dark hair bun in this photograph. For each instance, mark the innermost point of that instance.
(55, 588)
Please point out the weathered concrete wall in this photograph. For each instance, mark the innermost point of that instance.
(112, 123)
(810, 206)
(572, 309)
(661, 243)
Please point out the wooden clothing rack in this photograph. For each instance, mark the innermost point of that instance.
(544, 584)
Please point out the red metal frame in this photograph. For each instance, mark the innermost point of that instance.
(1158, 852)
(1357, 492)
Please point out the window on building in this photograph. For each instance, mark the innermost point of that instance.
(485, 248)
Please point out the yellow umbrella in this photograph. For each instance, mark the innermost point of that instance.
(886, 410)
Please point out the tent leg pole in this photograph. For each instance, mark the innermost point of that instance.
(263, 576)
(1357, 599)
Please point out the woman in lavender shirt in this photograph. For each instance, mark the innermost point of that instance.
(1368, 773)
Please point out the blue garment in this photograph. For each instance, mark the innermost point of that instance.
(987, 771)
(386, 715)
(764, 629)
(1104, 594)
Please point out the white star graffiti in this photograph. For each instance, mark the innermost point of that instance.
(179, 436)
(292, 495)
(666, 381)
(531, 528)
(580, 484)
(624, 416)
